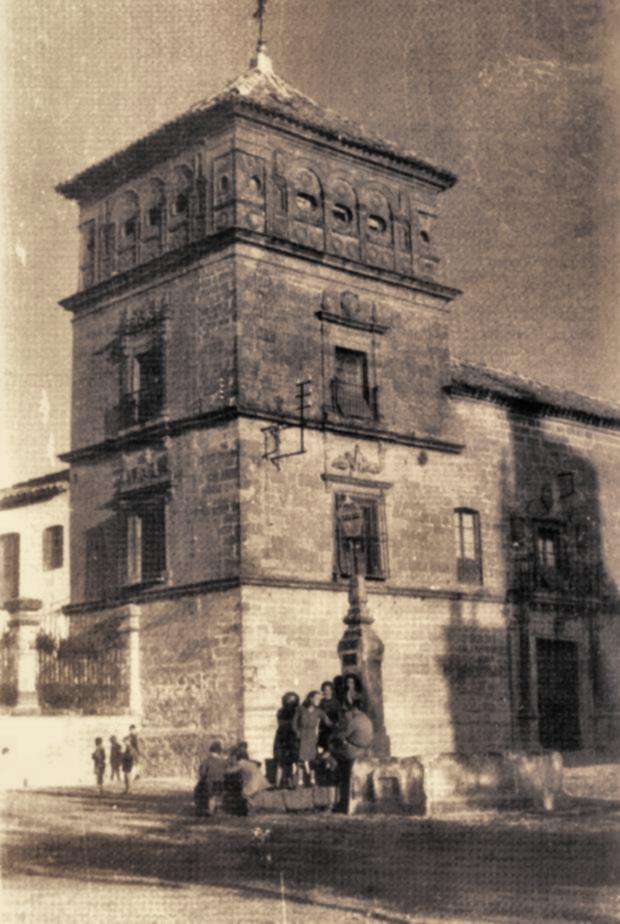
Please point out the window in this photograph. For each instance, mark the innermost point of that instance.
(130, 229)
(468, 545)
(144, 397)
(377, 224)
(108, 240)
(306, 202)
(342, 214)
(371, 548)
(155, 216)
(127, 212)
(53, 551)
(9, 567)
(145, 540)
(181, 204)
(352, 396)
(87, 257)
(548, 556)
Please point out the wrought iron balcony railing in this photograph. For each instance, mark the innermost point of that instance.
(572, 578)
(137, 407)
(352, 400)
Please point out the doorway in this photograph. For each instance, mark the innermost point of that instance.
(558, 694)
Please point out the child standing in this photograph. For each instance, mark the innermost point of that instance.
(116, 759)
(137, 752)
(127, 762)
(98, 757)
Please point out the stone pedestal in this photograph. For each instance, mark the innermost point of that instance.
(361, 652)
(25, 624)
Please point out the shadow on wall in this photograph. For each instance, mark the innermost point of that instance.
(546, 679)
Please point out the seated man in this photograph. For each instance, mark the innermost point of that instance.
(350, 742)
(252, 779)
(208, 791)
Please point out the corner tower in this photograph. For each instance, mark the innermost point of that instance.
(253, 242)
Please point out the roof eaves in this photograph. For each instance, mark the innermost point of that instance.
(485, 382)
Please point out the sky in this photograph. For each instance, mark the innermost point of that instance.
(516, 96)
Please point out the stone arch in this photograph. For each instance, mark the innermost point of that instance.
(376, 214)
(342, 206)
(126, 216)
(306, 195)
(182, 188)
(155, 208)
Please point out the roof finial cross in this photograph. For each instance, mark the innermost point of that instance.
(260, 16)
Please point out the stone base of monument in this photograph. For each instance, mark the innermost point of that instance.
(426, 786)
(493, 780)
(387, 786)
(276, 801)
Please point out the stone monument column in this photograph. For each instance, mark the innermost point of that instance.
(360, 649)
(25, 624)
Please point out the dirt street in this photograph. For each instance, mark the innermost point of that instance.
(74, 856)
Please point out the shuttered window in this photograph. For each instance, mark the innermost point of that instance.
(53, 548)
(145, 540)
(9, 567)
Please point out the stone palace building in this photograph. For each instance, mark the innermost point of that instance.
(261, 332)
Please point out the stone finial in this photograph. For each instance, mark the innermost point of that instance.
(261, 60)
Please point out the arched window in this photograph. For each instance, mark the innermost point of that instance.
(181, 206)
(376, 217)
(154, 219)
(342, 208)
(307, 197)
(127, 214)
(87, 253)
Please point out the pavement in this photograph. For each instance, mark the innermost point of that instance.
(72, 855)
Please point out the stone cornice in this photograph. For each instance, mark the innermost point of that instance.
(181, 257)
(163, 428)
(218, 585)
(192, 126)
(565, 607)
(374, 152)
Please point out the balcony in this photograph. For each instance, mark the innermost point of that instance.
(354, 400)
(140, 406)
(576, 578)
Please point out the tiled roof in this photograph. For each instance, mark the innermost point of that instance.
(34, 490)
(262, 90)
(487, 382)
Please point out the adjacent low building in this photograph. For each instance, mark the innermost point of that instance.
(34, 548)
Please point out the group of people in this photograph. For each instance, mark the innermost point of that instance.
(125, 757)
(330, 728)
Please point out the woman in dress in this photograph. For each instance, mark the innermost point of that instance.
(306, 723)
(286, 742)
(332, 710)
